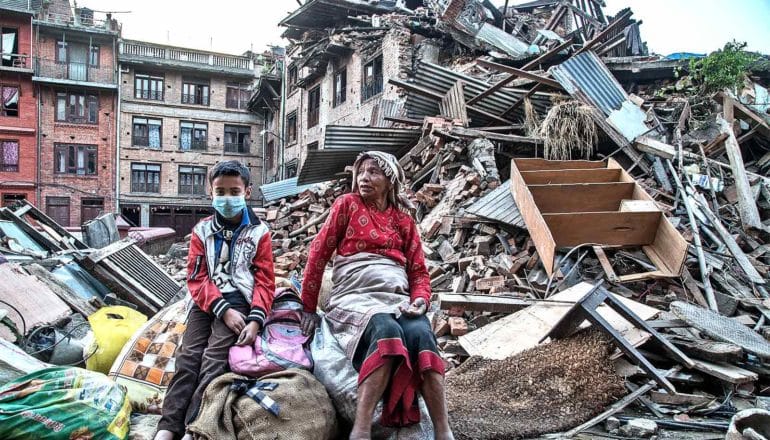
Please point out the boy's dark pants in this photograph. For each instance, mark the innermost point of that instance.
(201, 358)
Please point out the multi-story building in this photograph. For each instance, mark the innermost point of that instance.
(75, 77)
(267, 102)
(18, 106)
(182, 111)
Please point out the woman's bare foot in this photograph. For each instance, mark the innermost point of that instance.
(360, 434)
(164, 434)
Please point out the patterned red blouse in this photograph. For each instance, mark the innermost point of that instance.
(354, 226)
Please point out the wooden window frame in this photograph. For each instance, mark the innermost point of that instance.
(195, 145)
(3, 109)
(313, 106)
(147, 94)
(10, 168)
(340, 87)
(192, 171)
(377, 86)
(88, 100)
(88, 150)
(137, 121)
(193, 85)
(291, 128)
(135, 168)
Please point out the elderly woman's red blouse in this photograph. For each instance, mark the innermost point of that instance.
(354, 226)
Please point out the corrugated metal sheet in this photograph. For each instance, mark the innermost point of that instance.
(385, 108)
(324, 165)
(499, 206)
(439, 79)
(504, 41)
(20, 5)
(370, 138)
(586, 78)
(586, 72)
(282, 188)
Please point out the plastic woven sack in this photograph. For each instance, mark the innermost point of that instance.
(147, 362)
(64, 403)
(112, 327)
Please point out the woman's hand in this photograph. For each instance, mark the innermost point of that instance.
(309, 322)
(418, 307)
(248, 334)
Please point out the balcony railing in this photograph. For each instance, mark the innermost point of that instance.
(46, 68)
(237, 147)
(15, 60)
(195, 99)
(139, 49)
(198, 145)
(155, 95)
(83, 18)
(372, 88)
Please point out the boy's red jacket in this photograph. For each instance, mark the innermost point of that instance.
(252, 268)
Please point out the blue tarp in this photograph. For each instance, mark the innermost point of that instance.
(684, 55)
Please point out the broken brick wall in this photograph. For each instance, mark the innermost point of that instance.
(397, 53)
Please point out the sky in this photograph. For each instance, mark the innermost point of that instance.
(235, 26)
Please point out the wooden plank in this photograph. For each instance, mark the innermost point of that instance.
(505, 81)
(482, 303)
(536, 225)
(524, 329)
(599, 175)
(509, 138)
(726, 372)
(608, 270)
(747, 206)
(587, 197)
(452, 105)
(542, 164)
(605, 228)
(519, 72)
(679, 398)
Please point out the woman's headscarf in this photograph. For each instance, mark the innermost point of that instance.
(393, 171)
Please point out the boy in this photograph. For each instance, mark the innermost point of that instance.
(232, 282)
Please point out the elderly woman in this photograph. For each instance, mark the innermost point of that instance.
(381, 292)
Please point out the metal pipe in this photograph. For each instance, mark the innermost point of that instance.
(117, 140)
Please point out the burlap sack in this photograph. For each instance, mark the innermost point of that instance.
(306, 411)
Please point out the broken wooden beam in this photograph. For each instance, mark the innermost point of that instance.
(747, 206)
(483, 303)
(522, 73)
(509, 138)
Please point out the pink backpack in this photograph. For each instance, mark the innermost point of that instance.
(281, 345)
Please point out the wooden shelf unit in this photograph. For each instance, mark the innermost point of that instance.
(569, 203)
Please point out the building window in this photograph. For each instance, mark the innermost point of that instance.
(12, 199)
(312, 146)
(237, 96)
(313, 106)
(9, 46)
(148, 87)
(77, 58)
(291, 126)
(195, 92)
(270, 156)
(58, 208)
(75, 159)
(91, 208)
(372, 81)
(9, 156)
(192, 180)
(9, 101)
(340, 85)
(291, 169)
(77, 108)
(193, 135)
(147, 132)
(237, 139)
(292, 80)
(145, 178)
(93, 56)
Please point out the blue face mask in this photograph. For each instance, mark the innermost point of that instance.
(229, 206)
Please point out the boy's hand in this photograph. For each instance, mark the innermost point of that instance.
(309, 322)
(248, 334)
(234, 320)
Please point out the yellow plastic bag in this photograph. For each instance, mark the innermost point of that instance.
(112, 326)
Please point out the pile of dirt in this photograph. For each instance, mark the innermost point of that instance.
(549, 388)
